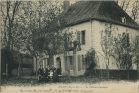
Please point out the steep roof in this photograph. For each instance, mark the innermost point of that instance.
(82, 11)
(107, 11)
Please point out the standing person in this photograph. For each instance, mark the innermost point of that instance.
(40, 73)
(41, 70)
(51, 74)
(46, 74)
(55, 77)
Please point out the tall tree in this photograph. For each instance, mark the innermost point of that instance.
(9, 11)
(33, 22)
(135, 51)
(23, 19)
(117, 46)
(135, 10)
(106, 43)
(124, 4)
(120, 48)
(131, 7)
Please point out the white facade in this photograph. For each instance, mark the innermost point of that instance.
(71, 62)
(93, 31)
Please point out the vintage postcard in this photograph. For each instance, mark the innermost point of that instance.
(69, 46)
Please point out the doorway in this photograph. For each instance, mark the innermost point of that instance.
(58, 65)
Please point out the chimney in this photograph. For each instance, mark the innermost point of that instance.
(66, 5)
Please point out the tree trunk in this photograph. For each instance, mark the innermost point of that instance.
(128, 76)
(8, 49)
(19, 68)
(6, 71)
(51, 61)
(108, 74)
(0, 66)
(67, 70)
(36, 66)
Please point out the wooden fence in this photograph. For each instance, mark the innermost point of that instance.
(114, 74)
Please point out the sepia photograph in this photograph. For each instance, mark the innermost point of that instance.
(68, 46)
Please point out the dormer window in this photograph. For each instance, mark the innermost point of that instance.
(123, 19)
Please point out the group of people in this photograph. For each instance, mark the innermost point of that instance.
(49, 74)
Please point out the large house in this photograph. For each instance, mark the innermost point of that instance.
(86, 20)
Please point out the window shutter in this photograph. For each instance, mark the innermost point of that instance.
(83, 62)
(82, 37)
(71, 62)
(79, 63)
(78, 37)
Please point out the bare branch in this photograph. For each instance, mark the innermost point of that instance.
(135, 10)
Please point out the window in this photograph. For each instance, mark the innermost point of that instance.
(71, 62)
(83, 62)
(83, 37)
(44, 63)
(78, 37)
(123, 19)
(79, 62)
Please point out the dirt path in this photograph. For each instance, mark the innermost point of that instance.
(101, 87)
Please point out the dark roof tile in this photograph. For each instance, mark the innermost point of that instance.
(107, 11)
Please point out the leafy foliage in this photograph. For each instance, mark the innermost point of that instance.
(117, 46)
